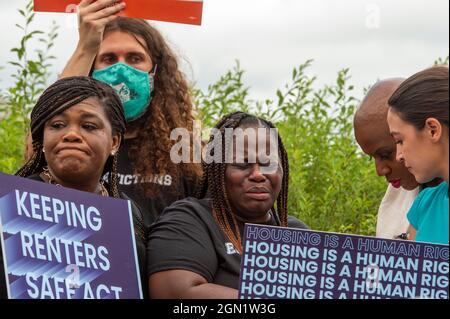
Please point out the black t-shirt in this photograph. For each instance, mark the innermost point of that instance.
(141, 235)
(168, 192)
(186, 236)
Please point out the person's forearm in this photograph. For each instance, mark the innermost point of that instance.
(92, 19)
(80, 63)
(210, 291)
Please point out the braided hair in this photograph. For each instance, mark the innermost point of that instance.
(59, 97)
(213, 179)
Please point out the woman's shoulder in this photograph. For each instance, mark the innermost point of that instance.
(192, 202)
(190, 206)
(441, 189)
(428, 200)
(430, 194)
(35, 177)
(187, 212)
(294, 222)
(138, 217)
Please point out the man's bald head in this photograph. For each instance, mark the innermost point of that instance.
(374, 106)
(373, 136)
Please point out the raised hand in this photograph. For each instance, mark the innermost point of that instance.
(93, 15)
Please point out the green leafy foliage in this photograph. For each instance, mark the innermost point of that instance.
(441, 61)
(225, 96)
(30, 79)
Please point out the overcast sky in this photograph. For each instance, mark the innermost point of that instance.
(374, 38)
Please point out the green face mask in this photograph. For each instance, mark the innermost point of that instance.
(133, 86)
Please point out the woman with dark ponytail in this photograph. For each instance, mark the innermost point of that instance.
(77, 128)
(418, 121)
(195, 247)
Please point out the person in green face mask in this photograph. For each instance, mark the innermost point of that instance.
(133, 57)
(133, 86)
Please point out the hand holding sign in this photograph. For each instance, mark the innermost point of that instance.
(95, 14)
(93, 17)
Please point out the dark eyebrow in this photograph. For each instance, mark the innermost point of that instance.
(89, 115)
(382, 150)
(107, 54)
(136, 53)
(62, 114)
(84, 115)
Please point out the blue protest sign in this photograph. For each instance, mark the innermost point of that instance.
(288, 263)
(60, 243)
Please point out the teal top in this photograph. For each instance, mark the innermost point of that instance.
(429, 215)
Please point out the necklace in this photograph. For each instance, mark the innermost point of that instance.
(46, 172)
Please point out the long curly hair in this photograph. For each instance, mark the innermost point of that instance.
(213, 180)
(171, 107)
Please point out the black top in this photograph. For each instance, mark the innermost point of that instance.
(186, 236)
(141, 235)
(168, 192)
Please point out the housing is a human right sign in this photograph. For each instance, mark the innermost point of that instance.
(288, 263)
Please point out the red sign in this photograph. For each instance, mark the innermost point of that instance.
(180, 11)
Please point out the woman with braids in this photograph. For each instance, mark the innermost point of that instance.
(418, 122)
(195, 246)
(132, 57)
(77, 128)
